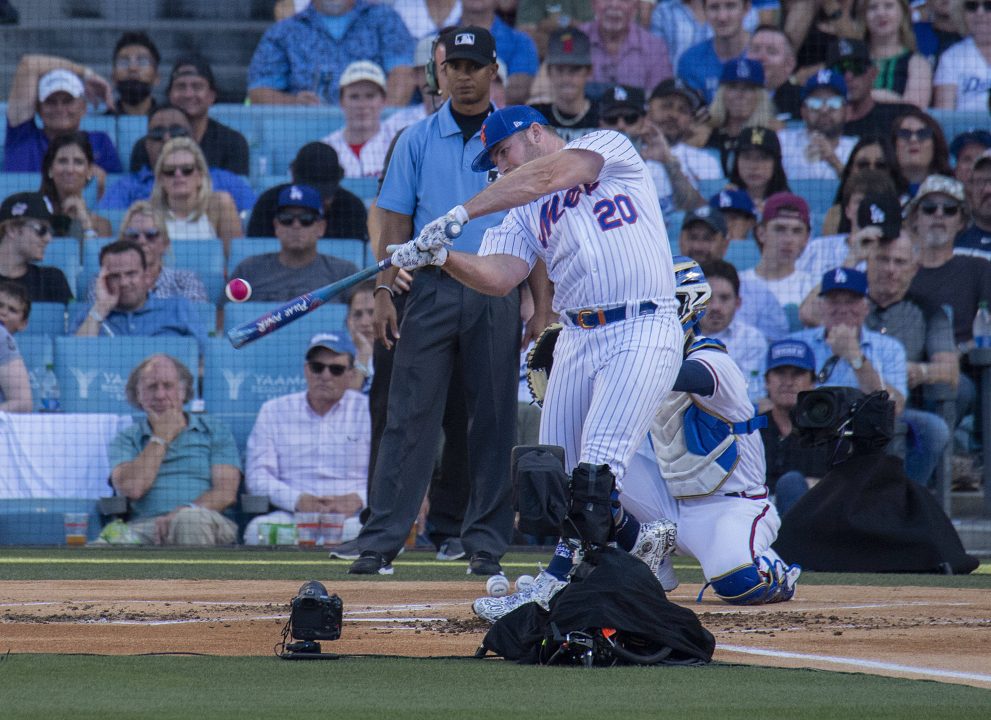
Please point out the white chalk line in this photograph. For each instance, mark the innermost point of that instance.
(190, 621)
(763, 610)
(859, 663)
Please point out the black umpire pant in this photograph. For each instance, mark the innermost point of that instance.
(448, 328)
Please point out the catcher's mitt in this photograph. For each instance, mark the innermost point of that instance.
(539, 361)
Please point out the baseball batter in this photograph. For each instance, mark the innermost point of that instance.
(589, 209)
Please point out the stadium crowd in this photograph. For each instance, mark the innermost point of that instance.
(798, 149)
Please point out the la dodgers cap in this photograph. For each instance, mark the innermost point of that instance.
(339, 342)
(500, 125)
(790, 353)
(301, 196)
(842, 278)
(744, 71)
(60, 80)
(825, 78)
(470, 43)
(713, 217)
(976, 137)
(841, 49)
(734, 201)
(883, 210)
(620, 97)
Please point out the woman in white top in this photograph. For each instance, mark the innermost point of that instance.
(963, 75)
(184, 195)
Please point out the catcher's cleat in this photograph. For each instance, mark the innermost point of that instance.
(655, 541)
(665, 573)
(545, 586)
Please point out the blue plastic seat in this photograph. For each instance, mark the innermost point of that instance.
(206, 259)
(366, 188)
(37, 351)
(47, 318)
(242, 248)
(743, 254)
(92, 372)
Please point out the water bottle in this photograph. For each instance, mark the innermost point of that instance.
(982, 326)
(50, 396)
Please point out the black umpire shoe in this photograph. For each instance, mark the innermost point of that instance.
(483, 563)
(371, 563)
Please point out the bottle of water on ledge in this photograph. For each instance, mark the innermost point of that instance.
(51, 399)
(982, 326)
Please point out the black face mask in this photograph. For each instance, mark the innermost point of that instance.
(133, 92)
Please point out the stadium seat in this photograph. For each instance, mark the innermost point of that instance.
(206, 312)
(47, 318)
(15, 182)
(365, 188)
(819, 195)
(331, 317)
(37, 352)
(672, 222)
(743, 254)
(285, 130)
(206, 259)
(242, 248)
(92, 372)
(237, 382)
(63, 253)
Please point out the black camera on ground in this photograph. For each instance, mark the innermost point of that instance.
(836, 413)
(314, 615)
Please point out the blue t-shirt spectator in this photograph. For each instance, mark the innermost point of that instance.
(515, 48)
(701, 68)
(170, 317)
(25, 145)
(310, 50)
(138, 185)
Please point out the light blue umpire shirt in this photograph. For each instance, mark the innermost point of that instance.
(886, 354)
(430, 172)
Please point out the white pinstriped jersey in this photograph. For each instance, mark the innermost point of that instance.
(605, 242)
(730, 401)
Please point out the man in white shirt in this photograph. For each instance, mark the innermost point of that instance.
(362, 143)
(819, 150)
(308, 451)
(782, 235)
(745, 343)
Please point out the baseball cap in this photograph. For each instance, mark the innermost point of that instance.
(569, 46)
(31, 205)
(790, 353)
(785, 202)
(842, 278)
(621, 97)
(883, 210)
(422, 52)
(759, 138)
(841, 49)
(937, 184)
(317, 164)
(300, 196)
(734, 201)
(470, 43)
(500, 125)
(742, 70)
(825, 78)
(339, 342)
(60, 80)
(711, 216)
(677, 86)
(982, 158)
(978, 137)
(363, 70)
(195, 65)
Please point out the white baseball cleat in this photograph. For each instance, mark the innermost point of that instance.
(665, 573)
(655, 541)
(545, 586)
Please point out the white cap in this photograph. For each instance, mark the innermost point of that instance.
(60, 80)
(363, 70)
(421, 55)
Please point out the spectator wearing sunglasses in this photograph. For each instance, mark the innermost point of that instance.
(976, 239)
(867, 115)
(819, 150)
(297, 267)
(135, 74)
(142, 226)
(183, 193)
(308, 451)
(164, 124)
(25, 231)
(920, 148)
(963, 75)
(623, 108)
(903, 75)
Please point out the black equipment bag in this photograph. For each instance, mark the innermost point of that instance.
(540, 489)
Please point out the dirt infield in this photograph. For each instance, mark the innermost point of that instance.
(932, 633)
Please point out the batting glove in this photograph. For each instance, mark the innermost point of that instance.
(434, 234)
(409, 257)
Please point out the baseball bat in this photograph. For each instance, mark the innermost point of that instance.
(308, 302)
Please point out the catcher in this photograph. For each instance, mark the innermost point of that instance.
(701, 467)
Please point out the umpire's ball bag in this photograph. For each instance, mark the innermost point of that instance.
(618, 592)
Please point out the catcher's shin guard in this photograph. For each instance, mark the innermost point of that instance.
(590, 513)
(765, 581)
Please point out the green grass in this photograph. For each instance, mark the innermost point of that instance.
(52, 686)
(291, 564)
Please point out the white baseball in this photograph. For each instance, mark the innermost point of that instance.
(497, 586)
(523, 582)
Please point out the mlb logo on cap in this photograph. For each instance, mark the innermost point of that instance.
(844, 279)
(464, 39)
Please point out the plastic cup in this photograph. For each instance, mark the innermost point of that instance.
(76, 525)
(332, 528)
(307, 529)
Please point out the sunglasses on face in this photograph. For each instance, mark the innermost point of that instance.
(173, 131)
(871, 165)
(949, 209)
(40, 229)
(317, 368)
(134, 234)
(833, 103)
(972, 6)
(628, 118)
(305, 219)
(920, 134)
(854, 67)
(183, 170)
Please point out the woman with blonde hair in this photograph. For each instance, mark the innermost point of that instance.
(740, 101)
(183, 194)
(903, 75)
(141, 224)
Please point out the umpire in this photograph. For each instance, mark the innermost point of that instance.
(446, 328)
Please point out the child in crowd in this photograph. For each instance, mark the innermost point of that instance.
(15, 306)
